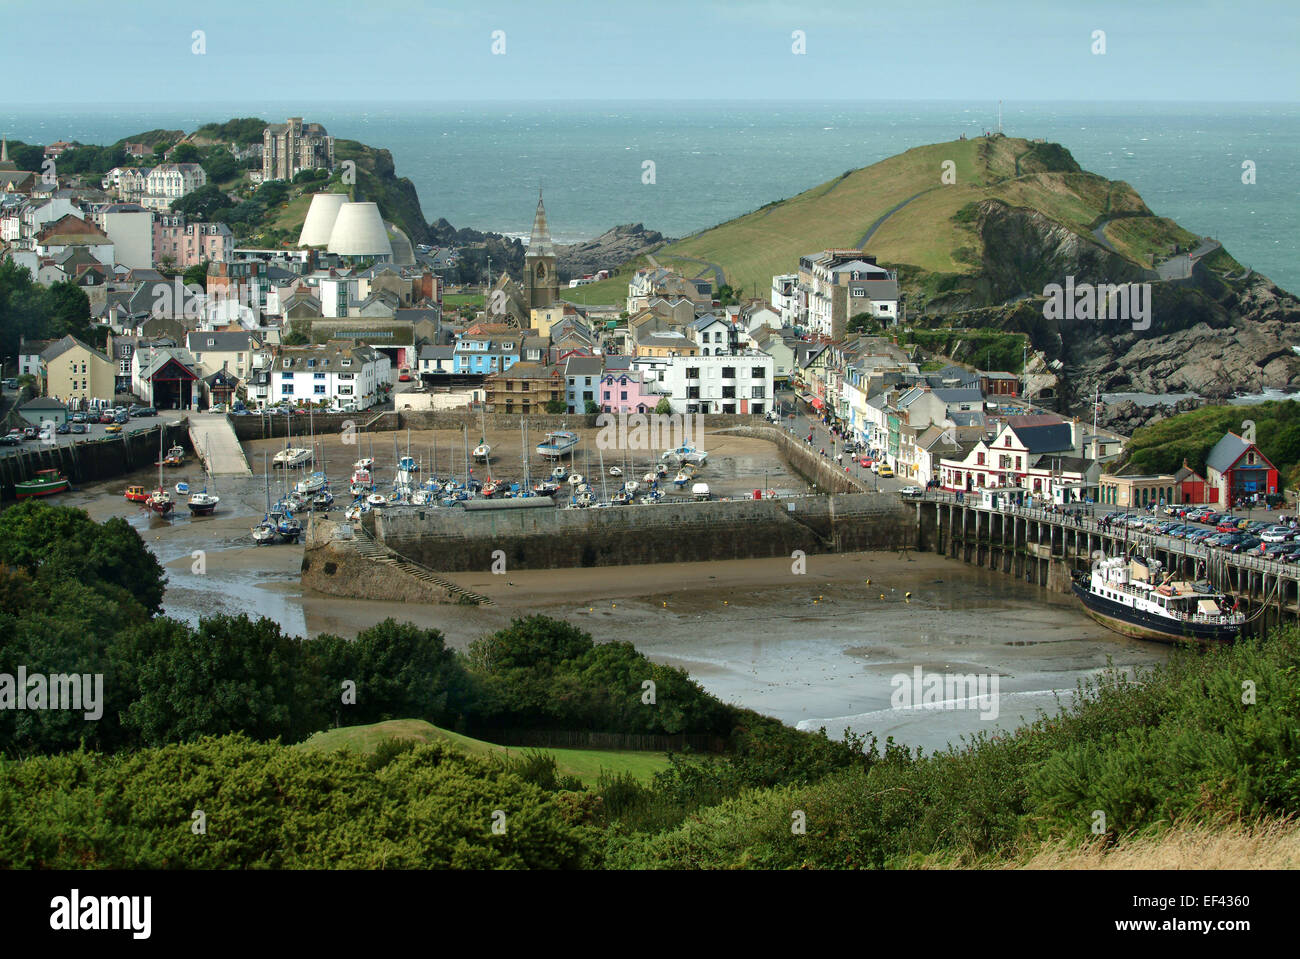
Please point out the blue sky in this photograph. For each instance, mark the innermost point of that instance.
(393, 50)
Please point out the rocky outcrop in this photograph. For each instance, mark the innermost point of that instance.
(1210, 336)
(608, 251)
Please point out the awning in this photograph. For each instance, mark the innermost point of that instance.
(815, 403)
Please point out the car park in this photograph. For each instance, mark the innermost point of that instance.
(1277, 534)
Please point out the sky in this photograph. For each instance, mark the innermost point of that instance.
(146, 51)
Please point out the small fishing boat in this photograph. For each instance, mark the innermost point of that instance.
(490, 488)
(376, 500)
(546, 488)
(557, 443)
(583, 499)
(615, 471)
(366, 464)
(482, 452)
(560, 474)
(648, 478)
(136, 494)
(575, 479)
(201, 502)
(661, 470)
(322, 501)
(423, 497)
(175, 457)
(264, 533)
(407, 464)
(621, 498)
(182, 488)
(160, 501)
(701, 491)
(291, 458)
(684, 476)
(631, 486)
(44, 483)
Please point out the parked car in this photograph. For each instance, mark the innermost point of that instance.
(1245, 544)
(79, 428)
(148, 411)
(885, 471)
(911, 491)
(218, 408)
(113, 428)
(11, 439)
(78, 417)
(29, 432)
(106, 418)
(11, 384)
(1228, 524)
(63, 429)
(1277, 534)
(121, 419)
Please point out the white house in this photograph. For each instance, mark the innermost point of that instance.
(711, 333)
(331, 372)
(171, 181)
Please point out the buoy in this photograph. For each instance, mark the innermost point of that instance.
(665, 605)
(868, 580)
(908, 595)
(882, 595)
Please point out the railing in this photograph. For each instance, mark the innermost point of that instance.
(1086, 521)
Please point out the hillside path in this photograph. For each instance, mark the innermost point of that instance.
(888, 213)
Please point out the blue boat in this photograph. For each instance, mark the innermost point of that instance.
(557, 443)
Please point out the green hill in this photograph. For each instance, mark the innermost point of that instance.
(585, 764)
(935, 233)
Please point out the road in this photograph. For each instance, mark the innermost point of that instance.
(801, 424)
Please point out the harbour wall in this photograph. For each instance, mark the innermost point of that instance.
(90, 461)
(258, 426)
(457, 540)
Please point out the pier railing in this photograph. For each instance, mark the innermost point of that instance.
(1086, 520)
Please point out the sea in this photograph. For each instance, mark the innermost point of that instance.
(1231, 171)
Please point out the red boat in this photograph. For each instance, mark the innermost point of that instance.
(160, 501)
(137, 494)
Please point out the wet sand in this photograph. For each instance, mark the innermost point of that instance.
(815, 649)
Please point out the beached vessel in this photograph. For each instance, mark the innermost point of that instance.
(1139, 598)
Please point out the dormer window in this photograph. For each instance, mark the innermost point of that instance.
(347, 363)
(288, 364)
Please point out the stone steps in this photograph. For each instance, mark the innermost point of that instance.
(368, 548)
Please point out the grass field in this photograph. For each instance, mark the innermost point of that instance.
(923, 233)
(455, 300)
(585, 764)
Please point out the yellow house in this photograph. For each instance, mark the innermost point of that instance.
(542, 318)
(77, 371)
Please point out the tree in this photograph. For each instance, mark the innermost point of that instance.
(208, 202)
(295, 337)
(220, 166)
(556, 406)
(664, 407)
(185, 153)
(590, 408)
(197, 275)
(863, 323)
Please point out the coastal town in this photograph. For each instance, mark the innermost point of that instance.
(380, 489)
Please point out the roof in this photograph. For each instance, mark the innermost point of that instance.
(436, 352)
(539, 243)
(1228, 451)
(61, 346)
(1049, 438)
(42, 403)
(584, 366)
(221, 342)
(70, 230)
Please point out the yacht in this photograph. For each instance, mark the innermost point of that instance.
(557, 443)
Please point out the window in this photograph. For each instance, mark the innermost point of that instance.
(606, 395)
(728, 372)
(320, 389)
(692, 372)
(623, 395)
(759, 392)
(286, 388)
(288, 364)
(728, 392)
(757, 373)
(692, 392)
(347, 362)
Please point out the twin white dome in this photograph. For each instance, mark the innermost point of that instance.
(345, 228)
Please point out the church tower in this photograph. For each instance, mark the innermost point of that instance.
(541, 281)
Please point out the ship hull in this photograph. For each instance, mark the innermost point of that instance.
(31, 489)
(1139, 625)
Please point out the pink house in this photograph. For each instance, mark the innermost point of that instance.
(188, 244)
(625, 391)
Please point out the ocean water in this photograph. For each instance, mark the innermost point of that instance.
(481, 164)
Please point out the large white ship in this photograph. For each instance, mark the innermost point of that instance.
(1139, 598)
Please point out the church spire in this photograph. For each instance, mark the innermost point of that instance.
(539, 244)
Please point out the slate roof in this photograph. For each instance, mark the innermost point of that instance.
(1049, 438)
(225, 341)
(1228, 451)
(584, 366)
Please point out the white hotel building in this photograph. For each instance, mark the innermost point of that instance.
(741, 382)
